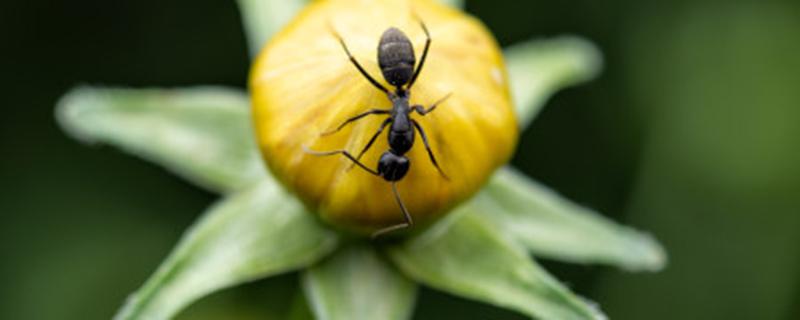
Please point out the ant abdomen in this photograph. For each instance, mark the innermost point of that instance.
(396, 57)
(393, 167)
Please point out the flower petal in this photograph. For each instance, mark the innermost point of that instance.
(466, 256)
(552, 226)
(202, 133)
(251, 235)
(356, 284)
(539, 68)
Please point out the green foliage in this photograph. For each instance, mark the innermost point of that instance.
(253, 234)
(200, 133)
(539, 68)
(479, 252)
(263, 18)
(550, 226)
(466, 256)
(357, 284)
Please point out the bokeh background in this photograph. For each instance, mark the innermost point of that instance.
(691, 132)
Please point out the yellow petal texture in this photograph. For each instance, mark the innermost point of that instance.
(303, 85)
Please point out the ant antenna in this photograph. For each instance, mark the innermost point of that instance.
(424, 51)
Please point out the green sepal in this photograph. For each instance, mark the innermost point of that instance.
(357, 284)
(251, 235)
(554, 227)
(202, 133)
(466, 256)
(539, 68)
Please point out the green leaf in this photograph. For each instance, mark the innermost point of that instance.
(263, 18)
(539, 68)
(202, 133)
(466, 256)
(453, 3)
(253, 234)
(357, 284)
(552, 226)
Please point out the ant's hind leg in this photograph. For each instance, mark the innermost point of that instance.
(428, 148)
(344, 153)
(407, 216)
(358, 66)
(354, 118)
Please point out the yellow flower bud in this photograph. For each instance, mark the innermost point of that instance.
(304, 85)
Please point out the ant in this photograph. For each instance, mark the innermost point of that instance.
(396, 60)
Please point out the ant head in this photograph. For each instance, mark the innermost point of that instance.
(393, 167)
(396, 57)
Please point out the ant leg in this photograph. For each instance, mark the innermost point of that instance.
(372, 140)
(370, 112)
(424, 55)
(409, 222)
(375, 136)
(344, 153)
(422, 111)
(428, 148)
(358, 66)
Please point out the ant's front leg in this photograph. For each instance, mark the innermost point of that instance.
(354, 118)
(422, 111)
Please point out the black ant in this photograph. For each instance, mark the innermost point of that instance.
(396, 60)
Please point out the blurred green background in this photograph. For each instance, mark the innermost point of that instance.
(690, 133)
